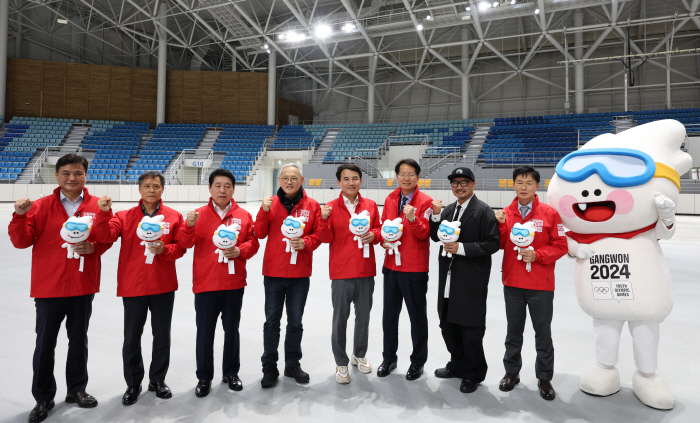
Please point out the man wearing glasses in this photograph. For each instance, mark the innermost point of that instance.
(532, 288)
(408, 281)
(464, 279)
(286, 282)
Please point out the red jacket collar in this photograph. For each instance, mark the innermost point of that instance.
(515, 205)
(57, 193)
(590, 238)
(234, 206)
(160, 206)
(360, 201)
(397, 195)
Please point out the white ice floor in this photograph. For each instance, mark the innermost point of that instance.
(367, 398)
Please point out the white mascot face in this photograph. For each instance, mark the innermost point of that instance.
(76, 229)
(449, 231)
(608, 185)
(392, 230)
(522, 235)
(359, 223)
(293, 227)
(150, 228)
(226, 236)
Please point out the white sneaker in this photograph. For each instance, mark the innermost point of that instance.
(362, 364)
(342, 375)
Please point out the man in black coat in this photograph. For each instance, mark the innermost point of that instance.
(464, 279)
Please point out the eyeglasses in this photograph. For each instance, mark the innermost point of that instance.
(446, 229)
(359, 222)
(227, 234)
(149, 227)
(72, 226)
(293, 223)
(406, 175)
(455, 184)
(391, 229)
(293, 179)
(521, 232)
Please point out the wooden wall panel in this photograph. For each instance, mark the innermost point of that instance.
(27, 77)
(98, 92)
(230, 98)
(173, 96)
(54, 85)
(192, 97)
(248, 98)
(211, 97)
(77, 80)
(282, 111)
(144, 94)
(120, 94)
(262, 98)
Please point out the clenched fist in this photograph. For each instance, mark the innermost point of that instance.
(437, 206)
(192, 217)
(325, 211)
(23, 205)
(104, 203)
(501, 216)
(266, 204)
(409, 211)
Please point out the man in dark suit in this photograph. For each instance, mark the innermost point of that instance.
(464, 279)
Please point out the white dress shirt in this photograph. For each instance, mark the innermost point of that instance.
(351, 205)
(220, 212)
(436, 218)
(70, 206)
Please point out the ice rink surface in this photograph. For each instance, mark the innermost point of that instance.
(367, 398)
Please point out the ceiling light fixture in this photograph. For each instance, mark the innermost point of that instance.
(484, 5)
(537, 11)
(469, 9)
(429, 18)
(419, 27)
(348, 27)
(62, 21)
(323, 31)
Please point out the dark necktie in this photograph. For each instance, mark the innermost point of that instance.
(457, 210)
(404, 200)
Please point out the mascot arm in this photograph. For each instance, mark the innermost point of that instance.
(22, 229)
(420, 228)
(325, 230)
(434, 229)
(312, 240)
(250, 246)
(262, 223)
(662, 231)
(107, 227)
(576, 250)
(490, 238)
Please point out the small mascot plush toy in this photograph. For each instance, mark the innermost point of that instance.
(448, 232)
(522, 235)
(226, 237)
(359, 225)
(75, 230)
(149, 230)
(391, 232)
(292, 227)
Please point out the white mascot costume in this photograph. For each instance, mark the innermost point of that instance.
(617, 195)
(292, 227)
(359, 225)
(226, 237)
(448, 232)
(75, 230)
(149, 230)
(391, 232)
(523, 235)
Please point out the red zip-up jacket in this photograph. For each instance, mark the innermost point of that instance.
(54, 275)
(208, 274)
(346, 260)
(415, 241)
(549, 244)
(269, 224)
(135, 278)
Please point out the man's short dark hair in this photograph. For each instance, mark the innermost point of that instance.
(221, 172)
(71, 158)
(152, 174)
(527, 170)
(414, 164)
(352, 167)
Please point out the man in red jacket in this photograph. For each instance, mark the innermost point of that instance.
(59, 288)
(407, 281)
(286, 282)
(530, 288)
(351, 270)
(144, 286)
(216, 289)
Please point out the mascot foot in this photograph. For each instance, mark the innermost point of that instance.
(601, 380)
(652, 391)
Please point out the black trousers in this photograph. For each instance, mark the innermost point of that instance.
(540, 304)
(466, 348)
(135, 314)
(50, 313)
(410, 287)
(208, 307)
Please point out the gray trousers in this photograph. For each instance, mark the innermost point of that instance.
(345, 292)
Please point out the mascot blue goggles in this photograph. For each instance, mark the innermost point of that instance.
(617, 167)
(72, 226)
(391, 229)
(446, 229)
(228, 234)
(520, 232)
(359, 222)
(150, 227)
(293, 223)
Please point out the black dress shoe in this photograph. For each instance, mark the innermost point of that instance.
(386, 368)
(414, 372)
(546, 390)
(203, 388)
(445, 373)
(41, 411)
(508, 382)
(299, 375)
(161, 389)
(131, 395)
(468, 386)
(270, 375)
(234, 382)
(83, 399)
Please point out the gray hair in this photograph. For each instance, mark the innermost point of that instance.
(294, 166)
(152, 174)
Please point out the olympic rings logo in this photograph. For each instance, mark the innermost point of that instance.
(601, 289)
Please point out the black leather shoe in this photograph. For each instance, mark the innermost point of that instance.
(203, 388)
(546, 390)
(508, 382)
(83, 399)
(414, 372)
(468, 386)
(234, 382)
(445, 373)
(270, 375)
(299, 375)
(41, 411)
(386, 368)
(131, 395)
(161, 389)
